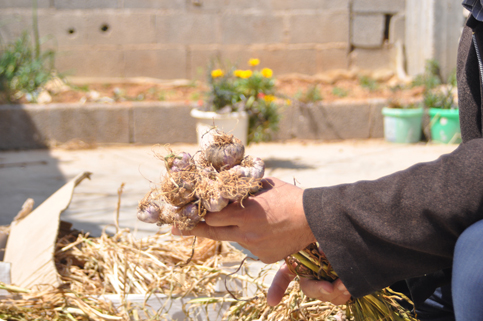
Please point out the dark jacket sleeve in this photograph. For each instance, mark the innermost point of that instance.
(404, 225)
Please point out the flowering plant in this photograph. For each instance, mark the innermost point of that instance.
(251, 90)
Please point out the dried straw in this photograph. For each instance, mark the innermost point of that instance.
(120, 264)
(294, 306)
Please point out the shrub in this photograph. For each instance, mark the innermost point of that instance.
(24, 70)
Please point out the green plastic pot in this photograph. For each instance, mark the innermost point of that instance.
(445, 126)
(402, 125)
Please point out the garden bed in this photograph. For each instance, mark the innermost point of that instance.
(335, 86)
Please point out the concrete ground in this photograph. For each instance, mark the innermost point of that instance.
(39, 173)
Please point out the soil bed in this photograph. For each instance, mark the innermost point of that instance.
(293, 87)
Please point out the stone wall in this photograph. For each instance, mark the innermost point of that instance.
(170, 39)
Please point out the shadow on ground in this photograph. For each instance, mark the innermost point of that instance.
(277, 163)
(21, 175)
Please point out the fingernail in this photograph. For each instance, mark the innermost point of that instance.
(341, 287)
(324, 291)
(346, 293)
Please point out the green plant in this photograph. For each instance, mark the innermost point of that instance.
(224, 91)
(24, 70)
(263, 120)
(339, 92)
(312, 94)
(431, 78)
(439, 98)
(250, 90)
(436, 94)
(368, 83)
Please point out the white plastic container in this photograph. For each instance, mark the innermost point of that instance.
(235, 123)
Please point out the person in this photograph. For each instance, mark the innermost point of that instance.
(421, 227)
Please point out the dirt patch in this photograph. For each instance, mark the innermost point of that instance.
(294, 87)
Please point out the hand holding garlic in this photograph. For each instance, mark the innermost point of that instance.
(271, 224)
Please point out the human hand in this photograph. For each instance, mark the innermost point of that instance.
(271, 224)
(334, 292)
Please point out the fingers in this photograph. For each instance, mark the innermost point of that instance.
(228, 233)
(280, 283)
(228, 216)
(334, 292)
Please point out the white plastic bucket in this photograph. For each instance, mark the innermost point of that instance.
(235, 123)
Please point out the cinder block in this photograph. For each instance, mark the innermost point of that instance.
(327, 121)
(23, 127)
(155, 4)
(246, 4)
(163, 64)
(93, 123)
(86, 4)
(368, 30)
(251, 28)
(239, 57)
(373, 59)
(67, 28)
(162, 123)
(328, 59)
(12, 25)
(310, 4)
(381, 6)
(319, 28)
(112, 27)
(397, 28)
(376, 118)
(200, 61)
(219, 6)
(90, 63)
(187, 28)
(23, 4)
(289, 61)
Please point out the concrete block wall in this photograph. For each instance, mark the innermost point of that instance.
(171, 39)
(41, 126)
(374, 32)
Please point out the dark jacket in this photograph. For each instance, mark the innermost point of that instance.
(405, 225)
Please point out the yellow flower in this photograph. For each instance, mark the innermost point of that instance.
(247, 74)
(267, 72)
(217, 73)
(254, 62)
(288, 102)
(238, 73)
(244, 74)
(269, 98)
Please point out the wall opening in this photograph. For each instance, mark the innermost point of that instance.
(387, 23)
(105, 28)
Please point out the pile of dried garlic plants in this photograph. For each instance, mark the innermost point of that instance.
(160, 264)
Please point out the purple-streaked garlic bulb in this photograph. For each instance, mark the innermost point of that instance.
(179, 162)
(223, 151)
(187, 217)
(210, 194)
(215, 203)
(150, 207)
(250, 167)
(178, 187)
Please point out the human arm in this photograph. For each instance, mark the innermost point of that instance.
(404, 225)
